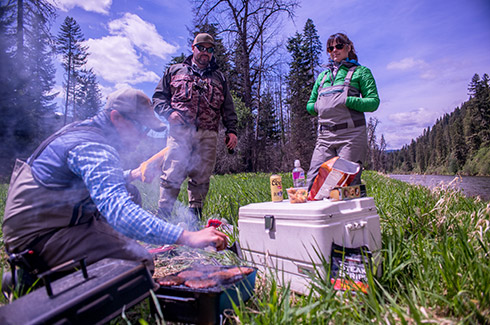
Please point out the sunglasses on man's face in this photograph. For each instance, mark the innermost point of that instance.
(203, 48)
(338, 47)
(143, 129)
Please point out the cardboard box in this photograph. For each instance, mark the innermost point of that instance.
(348, 192)
(286, 237)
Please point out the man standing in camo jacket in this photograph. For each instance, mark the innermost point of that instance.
(193, 96)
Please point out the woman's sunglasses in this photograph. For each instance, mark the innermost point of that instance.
(338, 47)
(203, 48)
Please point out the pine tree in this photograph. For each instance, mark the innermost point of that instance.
(305, 50)
(176, 59)
(480, 90)
(40, 56)
(88, 95)
(70, 45)
(475, 87)
(268, 134)
(312, 48)
(27, 76)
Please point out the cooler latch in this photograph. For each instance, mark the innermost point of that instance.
(268, 223)
(355, 225)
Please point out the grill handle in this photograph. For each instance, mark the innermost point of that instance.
(46, 276)
(174, 298)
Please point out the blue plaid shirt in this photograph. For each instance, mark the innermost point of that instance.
(100, 168)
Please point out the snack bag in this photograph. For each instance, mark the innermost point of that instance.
(349, 267)
(335, 172)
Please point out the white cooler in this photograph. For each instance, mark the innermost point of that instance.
(288, 237)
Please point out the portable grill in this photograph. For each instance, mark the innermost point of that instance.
(204, 306)
(93, 296)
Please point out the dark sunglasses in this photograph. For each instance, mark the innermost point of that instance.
(203, 48)
(143, 129)
(338, 47)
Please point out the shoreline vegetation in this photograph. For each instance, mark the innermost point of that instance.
(435, 250)
(432, 174)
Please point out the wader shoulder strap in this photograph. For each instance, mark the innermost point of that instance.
(69, 128)
(325, 77)
(348, 77)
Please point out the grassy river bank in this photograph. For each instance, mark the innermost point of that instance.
(435, 250)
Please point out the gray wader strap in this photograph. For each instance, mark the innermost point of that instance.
(325, 78)
(69, 128)
(347, 79)
(357, 121)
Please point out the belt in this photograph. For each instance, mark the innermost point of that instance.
(341, 126)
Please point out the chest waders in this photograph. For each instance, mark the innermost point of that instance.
(341, 131)
(35, 210)
(60, 223)
(192, 154)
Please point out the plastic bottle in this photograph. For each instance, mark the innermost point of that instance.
(298, 175)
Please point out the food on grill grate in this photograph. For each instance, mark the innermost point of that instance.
(204, 301)
(205, 276)
(221, 275)
(191, 274)
(200, 284)
(170, 280)
(239, 270)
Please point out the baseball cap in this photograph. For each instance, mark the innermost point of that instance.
(135, 105)
(203, 38)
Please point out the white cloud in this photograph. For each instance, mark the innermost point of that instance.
(114, 59)
(420, 117)
(406, 64)
(119, 58)
(396, 140)
(99, 6)
(142, 34)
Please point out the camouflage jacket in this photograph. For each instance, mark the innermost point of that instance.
(200, 99)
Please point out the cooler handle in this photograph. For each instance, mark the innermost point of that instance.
(355, 225)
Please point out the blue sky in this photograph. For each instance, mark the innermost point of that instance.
(422, 54)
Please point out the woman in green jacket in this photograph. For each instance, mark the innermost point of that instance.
(340, 96)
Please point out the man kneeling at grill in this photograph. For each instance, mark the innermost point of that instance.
(70, 199)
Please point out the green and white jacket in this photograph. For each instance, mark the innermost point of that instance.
(366, 99)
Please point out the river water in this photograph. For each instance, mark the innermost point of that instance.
(469, 185)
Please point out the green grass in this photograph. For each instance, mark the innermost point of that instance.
(435, 249)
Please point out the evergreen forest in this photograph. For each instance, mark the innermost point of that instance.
(458, 143)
